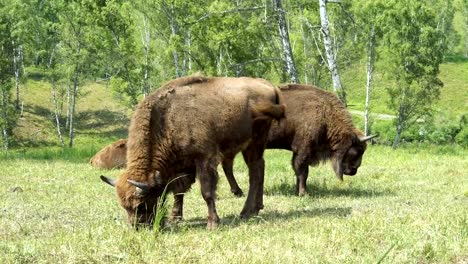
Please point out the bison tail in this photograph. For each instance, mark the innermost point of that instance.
(267, 109)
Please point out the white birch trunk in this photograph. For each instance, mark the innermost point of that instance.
(5, 121)
(57, 120)
(189, 46)
(465, 11)
(186, 62)
(72, 110)
(306, 66)
(284, 35)
(219, 61)
(16, 70)
(67, 121)
(175, 55)
(145, 39)
(370, 71)
(332, 66)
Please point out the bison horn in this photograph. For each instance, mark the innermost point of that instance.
(107, 180)
(143, 186)
(366, 138)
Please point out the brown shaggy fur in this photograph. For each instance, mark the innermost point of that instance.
(317, 128)
(188, 126)
(112, 156)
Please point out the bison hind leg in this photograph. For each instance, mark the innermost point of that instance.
(208, 176)
(301, 168)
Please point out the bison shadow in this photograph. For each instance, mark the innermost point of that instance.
(231, 221)
(322, 190)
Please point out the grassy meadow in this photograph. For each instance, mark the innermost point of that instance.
(408, 205)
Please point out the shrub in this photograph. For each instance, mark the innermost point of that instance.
(462, 137)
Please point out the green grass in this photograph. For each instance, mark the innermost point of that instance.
(410, 203)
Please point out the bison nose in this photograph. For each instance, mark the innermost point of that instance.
(351, 171)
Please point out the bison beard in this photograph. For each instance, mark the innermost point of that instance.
(317, 128)
(188, 126)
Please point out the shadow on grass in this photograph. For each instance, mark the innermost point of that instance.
(321, 190)
(455, 58)
(231, 221)
(98, 120)
(96, 124)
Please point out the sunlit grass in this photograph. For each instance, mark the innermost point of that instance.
(410, 202)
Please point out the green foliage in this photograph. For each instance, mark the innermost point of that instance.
(134, 46)
(462, 137)
(415, 48)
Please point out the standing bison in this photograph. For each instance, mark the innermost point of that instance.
(317, 128)
(111, 156)
(188, 126)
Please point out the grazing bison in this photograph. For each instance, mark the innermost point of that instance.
(317, 128)
(188, 126)
(111, 156)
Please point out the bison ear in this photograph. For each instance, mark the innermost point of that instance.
(122, 144)
(337, 163)
(107, 180)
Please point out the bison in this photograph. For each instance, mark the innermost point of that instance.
(188, 126)
(317, 128)
(111, 156)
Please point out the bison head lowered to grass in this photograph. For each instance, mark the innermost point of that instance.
(111, 156)
(317, 128)
(189, 125)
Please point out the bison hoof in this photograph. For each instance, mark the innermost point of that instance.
(301, 192)
(248, 213)
(175, 219)
(238, 193)
(212, 224)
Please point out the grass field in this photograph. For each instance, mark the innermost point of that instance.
(405, 206)
(408, 205)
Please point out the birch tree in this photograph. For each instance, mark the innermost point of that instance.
(464, 4)
(284, 36)
(370, 20)
(327, 40)
(7, 110)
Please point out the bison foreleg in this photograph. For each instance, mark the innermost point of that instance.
(177, 209)
(227, 167)
(208, 177)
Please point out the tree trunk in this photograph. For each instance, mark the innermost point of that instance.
(219, 61)
(5, 120)
(188, 43)
(145, 39)
(401, 120)
(67, 120)
(72, 110)
(370, 71)
(284, 35)
(175, 55)
(57, 120)
(186, 62)
(399, 130)
(16, 69)
(332, 66)
(306, 65)
(465, 11)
